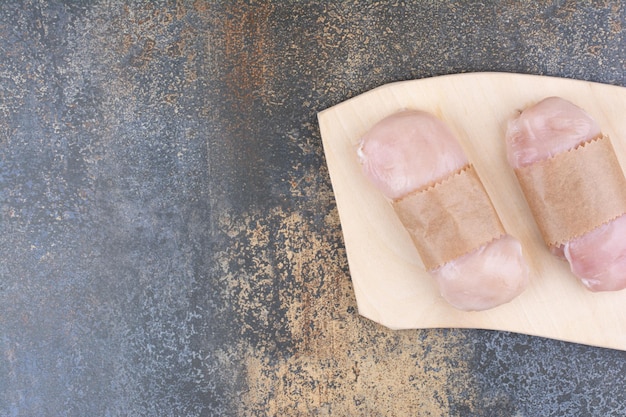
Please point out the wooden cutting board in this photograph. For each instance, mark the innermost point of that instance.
(390, 283)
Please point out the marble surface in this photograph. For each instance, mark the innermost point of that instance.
(169, 239)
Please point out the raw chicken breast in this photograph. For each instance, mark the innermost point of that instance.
(552, 126)
(412, 149)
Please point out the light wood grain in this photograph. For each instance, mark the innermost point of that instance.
(390, 283)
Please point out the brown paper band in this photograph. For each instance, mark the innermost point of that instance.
(575, 191)
(449, 219)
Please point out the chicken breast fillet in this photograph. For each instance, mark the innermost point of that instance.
(411, 149)
(552, 126)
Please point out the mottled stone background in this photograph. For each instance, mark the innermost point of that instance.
(169, 240)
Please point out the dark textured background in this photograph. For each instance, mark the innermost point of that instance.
(169, 240)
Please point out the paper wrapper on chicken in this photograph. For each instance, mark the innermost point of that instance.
(415, 161)
(575, 188)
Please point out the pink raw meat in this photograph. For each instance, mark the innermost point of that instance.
(552, 126)
(409, 150)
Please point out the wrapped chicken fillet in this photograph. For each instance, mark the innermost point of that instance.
(547, 133)
(416, 162)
